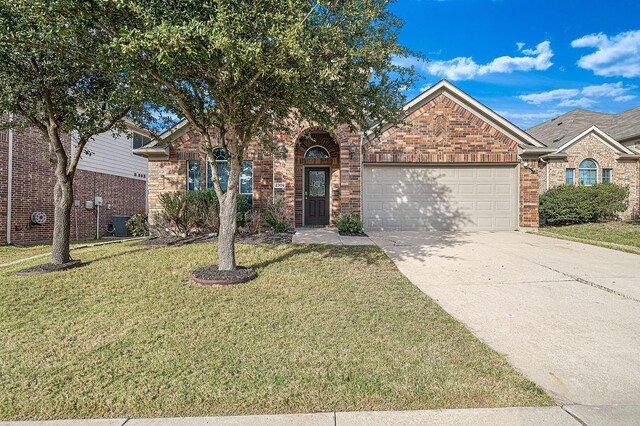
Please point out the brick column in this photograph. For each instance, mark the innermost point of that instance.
(529, 197)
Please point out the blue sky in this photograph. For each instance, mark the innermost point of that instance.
(528, 60)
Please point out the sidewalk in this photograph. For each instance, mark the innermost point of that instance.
(570, 415)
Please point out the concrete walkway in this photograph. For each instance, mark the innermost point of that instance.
(327, 236)
(550, 416)
(566, 314)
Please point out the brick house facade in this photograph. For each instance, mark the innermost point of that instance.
(444, 129)
(32, 191)
(612, 165)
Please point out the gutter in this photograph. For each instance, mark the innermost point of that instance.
(9, 182)
(153, 153)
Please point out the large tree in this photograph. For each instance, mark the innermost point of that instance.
(240, 70)
(56, 74)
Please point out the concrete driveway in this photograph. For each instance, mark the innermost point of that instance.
(565, 314)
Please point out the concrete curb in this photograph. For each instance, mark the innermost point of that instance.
(573, 415)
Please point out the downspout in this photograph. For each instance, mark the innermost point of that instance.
(9, 182)
(546, 167)
(361, 171)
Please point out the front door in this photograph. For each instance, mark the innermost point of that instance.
(316, 196)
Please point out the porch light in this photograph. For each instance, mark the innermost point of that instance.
(282, 151)
(352, 150)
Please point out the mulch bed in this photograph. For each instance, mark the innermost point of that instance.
(211, 276)
(48, 267)
(352, 234)
(241, 238)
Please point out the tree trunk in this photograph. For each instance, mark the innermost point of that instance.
(227, 231)
(63, 201)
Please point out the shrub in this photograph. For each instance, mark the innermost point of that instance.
(570, 204)
(186, 212)
(276, 215)
(243, 209)
(349, 222)
(179, 214)
(137, 225)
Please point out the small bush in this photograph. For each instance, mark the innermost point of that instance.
(243, 209)
(137, 225)
(349, 222)
(187, 212)
(276, 215)
(571, 204)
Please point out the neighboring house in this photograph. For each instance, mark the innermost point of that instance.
(109, 170)
(454, 165)
(591, 147)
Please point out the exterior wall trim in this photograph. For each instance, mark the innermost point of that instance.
(615, 145)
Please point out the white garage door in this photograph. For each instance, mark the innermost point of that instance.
(469, 198)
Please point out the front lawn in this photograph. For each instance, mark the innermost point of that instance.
(623, 236)
(322, 328)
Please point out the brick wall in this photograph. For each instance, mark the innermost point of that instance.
(4, 155)
(591, 146)
(33, 183)
(529, 194)
(442, 131)
(171, 175)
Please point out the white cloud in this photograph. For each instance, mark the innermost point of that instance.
(624, 98)
(426, 87)
(519, 45)
(577, 103)
(465, 68)
(614, 56)
(527, 119)
(552, 95)
(582, 98)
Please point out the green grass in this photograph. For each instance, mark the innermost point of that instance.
(322, 328)
(17, 252)
(623, 236)
(11, 253)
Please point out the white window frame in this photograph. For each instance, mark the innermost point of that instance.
(208, 171)
(580, 168)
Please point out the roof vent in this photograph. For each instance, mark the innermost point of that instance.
(558, 139)
(560, 123)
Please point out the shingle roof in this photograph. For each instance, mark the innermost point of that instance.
(558, 131)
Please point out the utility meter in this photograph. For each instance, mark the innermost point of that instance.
(98, 201)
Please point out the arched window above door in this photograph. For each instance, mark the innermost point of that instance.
(317, 152)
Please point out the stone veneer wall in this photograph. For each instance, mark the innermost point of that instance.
(625, 172)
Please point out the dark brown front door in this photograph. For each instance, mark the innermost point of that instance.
(316, 196)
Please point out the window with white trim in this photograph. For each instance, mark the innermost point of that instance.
(607, 175)
(568, 179)
(222, 164)
(588, 172)
(193, 175)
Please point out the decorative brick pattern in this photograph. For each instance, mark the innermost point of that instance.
(442, 131)
(625, 172)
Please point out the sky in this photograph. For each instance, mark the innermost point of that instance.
(528, 60)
